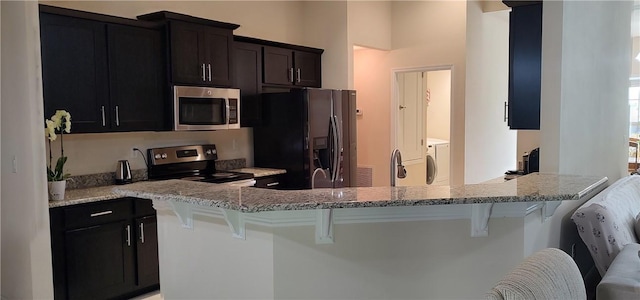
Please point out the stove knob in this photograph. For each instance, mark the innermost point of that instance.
(157, 156)
(164, 155)
(214, 151)
(208, 152)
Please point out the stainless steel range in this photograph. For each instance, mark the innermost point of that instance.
(193, 162)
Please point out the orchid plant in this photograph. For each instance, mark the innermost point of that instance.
(59, 122)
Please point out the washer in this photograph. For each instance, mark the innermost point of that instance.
(437, 162)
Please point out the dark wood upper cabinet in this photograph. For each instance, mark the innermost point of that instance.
(108, 72)
(284, 66)
(200, 49)
(525, 64)
(137, 82)
(74, 70)
(248, 78)
(308, 69)
(278, 66)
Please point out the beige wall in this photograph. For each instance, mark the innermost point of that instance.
(433, 34)
(439, 109)
(26, 246)
(271, 20)
(324, 26)
(372, 82)
(96, 153)
(418, 41)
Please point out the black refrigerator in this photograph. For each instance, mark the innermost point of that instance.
(312, 134)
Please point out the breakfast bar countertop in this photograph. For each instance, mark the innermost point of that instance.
(534, 187)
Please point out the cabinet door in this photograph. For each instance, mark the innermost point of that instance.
(99, 261)
(136, 78)
(217, 49)
(147, 251)
(525, 64)
(277, 66)
(187, 50)
(248, 78)
(74, 70)
(308, 69)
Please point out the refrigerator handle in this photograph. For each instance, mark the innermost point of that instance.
(335, 149)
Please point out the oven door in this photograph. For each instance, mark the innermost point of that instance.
(200, 108)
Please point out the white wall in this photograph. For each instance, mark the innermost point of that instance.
(26, 248)
(396, 260)
(490, 145)
(584, 109)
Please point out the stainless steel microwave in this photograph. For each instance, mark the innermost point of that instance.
(205, 108)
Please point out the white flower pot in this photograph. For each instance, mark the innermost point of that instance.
(56, 189)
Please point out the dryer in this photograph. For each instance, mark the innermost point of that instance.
(438, 160)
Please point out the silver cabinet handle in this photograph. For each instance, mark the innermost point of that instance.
(505, 110)
(203, 75)
(298, 75)
(128, 235)
(102, 213)
(142, 232)
(117, 116)
(209, 67)
(104, 121)
(291, 74)
(273, 184)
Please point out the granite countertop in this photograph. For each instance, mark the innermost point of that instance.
(529, 188)
(261, 172)
(86, 195)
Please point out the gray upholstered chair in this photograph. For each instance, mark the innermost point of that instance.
(547, 274)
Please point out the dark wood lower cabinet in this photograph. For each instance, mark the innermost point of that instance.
(99, 261)
(147, 254)
(104, 250)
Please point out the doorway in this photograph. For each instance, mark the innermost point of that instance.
(421, 118)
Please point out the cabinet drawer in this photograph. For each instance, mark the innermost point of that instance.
(269, 182)
(97, 213)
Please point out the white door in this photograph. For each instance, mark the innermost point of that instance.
(410, 135)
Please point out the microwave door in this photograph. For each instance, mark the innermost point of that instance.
(201, 113)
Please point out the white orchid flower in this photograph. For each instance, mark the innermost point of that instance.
(50, 130)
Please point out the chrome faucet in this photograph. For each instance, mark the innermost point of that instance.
(397, 167)
(313, 177)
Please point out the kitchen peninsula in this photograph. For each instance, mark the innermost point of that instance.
(355, 243)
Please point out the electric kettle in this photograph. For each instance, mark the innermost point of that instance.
(123, 172)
